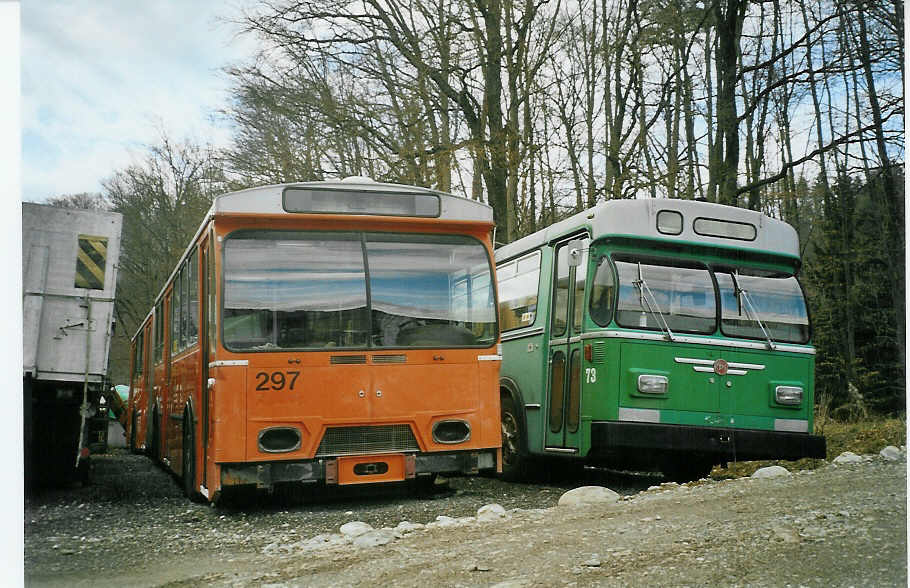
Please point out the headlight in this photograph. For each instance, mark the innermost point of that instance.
(788, 395)
(651, 384)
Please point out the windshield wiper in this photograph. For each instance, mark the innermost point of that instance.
(751, 312)
(642, 286)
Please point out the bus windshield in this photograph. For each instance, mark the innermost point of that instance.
(749, 303)
(306, 290)
(678, 298)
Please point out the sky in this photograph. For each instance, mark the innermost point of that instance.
(11, 511)
(101, 80)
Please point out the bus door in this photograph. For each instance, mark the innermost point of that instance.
(563, 423)
(206, 345)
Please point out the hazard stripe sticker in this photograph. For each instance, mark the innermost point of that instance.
(90, 261)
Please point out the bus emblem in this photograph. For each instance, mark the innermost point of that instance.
(720, 367)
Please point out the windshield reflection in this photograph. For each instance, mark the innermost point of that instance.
(775, 303)
(292, 290)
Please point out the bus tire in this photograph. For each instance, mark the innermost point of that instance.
(423, 486)
(188, 467)
(686, 468)
(513, 463)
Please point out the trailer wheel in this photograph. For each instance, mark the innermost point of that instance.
(513, 463)
(189, 458)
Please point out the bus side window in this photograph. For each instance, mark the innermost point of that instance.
(192, 283)
(581, 274)
(518, 284)
(184, 305)
(136, 360)
(175, 316)
(602, 293)
(159, 332)
(560, 303)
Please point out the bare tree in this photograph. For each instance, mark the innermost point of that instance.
(84, 200)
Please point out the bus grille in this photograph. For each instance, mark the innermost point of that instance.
(360, 440)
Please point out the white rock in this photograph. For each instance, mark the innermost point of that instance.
(848, 457)
(443, 521)
(588, 495)
(491, 512)
(774, 471)
(375, 538)
(408, 526)
(355, 529)
(785, 535)
(891, 453)
(323, 541)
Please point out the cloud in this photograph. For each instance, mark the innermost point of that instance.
(101, 78)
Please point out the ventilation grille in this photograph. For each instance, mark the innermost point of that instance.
(347, 359)
(390, 358)
(360, 440)
(599, 353)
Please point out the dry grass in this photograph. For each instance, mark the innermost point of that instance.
(867, 436)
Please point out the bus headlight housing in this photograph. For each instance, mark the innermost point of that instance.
(279, 440)
(653, 384)
(451, 431)
(789, 395)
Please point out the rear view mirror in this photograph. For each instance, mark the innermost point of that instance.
(576, 248)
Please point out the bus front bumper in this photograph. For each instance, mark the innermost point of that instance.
(333, 470)
(722, 444)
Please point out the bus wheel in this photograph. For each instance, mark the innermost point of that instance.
(513, 464)
(423, 486)
(686, 469)
(189, 458)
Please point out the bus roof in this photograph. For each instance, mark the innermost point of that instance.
(688, 221)
(328, 198)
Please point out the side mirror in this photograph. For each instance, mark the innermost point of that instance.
(576, 248)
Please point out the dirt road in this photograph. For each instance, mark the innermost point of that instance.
(835, 526)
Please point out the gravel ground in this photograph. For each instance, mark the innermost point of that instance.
(134, 507)
(836, 526)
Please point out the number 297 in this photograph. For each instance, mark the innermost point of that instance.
(276, 380)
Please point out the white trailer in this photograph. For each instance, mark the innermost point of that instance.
(69, 263)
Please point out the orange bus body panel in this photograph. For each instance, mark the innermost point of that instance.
(356, 470)
(323, 395)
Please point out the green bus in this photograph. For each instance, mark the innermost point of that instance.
(655, 335)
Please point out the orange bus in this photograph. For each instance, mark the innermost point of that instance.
(325, 332)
